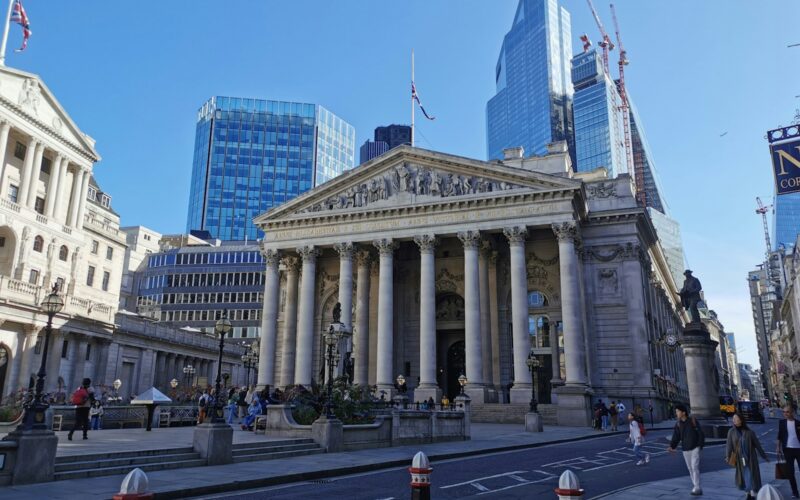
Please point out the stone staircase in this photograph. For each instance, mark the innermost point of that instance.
(497, 413)
(107, 464)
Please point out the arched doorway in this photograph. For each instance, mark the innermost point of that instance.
(456, 366)
(8, 244)
(5, 358)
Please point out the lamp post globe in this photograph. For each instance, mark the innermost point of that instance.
(462, 381)
(36, 407)
(333, 337)
(533, 365)
(221, 328)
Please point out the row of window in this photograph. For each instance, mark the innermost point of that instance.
(233, 315)
(204, 280)
(200, 298)
(189, 259)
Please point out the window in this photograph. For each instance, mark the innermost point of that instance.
(536, 299)
(105, 200)
(39, 205)
(63, 252)
(37, 349)
(13, 193)
(88, 352)
(147, 237)
(38, 244)
(90, 276)
(60, 283)
(91, 193)
(20, 150)
(95, 246)
(34, 277)
(106, 279)
(109, 253)
(64, 349)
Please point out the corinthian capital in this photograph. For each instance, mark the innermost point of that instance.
(309, 253)
(345, 250)
(566, 231)
(385, 246)
(426, 242)
(470, 239)
(516, 235)
(290, 263)
(271, 256)
(363, 257)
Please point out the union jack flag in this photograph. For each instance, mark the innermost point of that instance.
(19, 16)
(419, 103)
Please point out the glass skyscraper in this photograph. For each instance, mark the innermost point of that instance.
(599, 136)
(253, 154)
(533, 103)
(786, 220)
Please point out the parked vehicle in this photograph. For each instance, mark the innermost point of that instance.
(727, 405)
(751, 410)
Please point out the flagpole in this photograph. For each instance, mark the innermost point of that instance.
(5, 33)
(412, 99)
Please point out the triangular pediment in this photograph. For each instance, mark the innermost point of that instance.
(407, 176)
(27, 95)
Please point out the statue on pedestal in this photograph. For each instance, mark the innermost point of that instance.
(690, 295)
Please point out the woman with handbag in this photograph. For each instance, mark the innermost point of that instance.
(742, 452)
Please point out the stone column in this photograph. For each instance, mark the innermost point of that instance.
(291, 264)
(13, 368)
(555, 355)
(428, 388)
(35, 173)
(170, 373)
(72, 361)
(361, 330)
(521, 391)
(52, 186)
(574, 402)
(161, 368)
(80, 362)
(472, 317)
(486, 317)
(27, 367)
(100, 362)
(84, 194)
(27, 172)
(269, 321)
(699, 352)
(345, 295)
(53, 367)
(384, 376)
(60, 214)
(75, 197)
(146, 378)
(305, 320)
(5, 128)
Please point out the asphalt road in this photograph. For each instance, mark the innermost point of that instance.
(603, 465)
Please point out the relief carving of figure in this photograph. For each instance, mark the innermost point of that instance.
(360, 198)
(436, 183)
(469, 185)
(383, 191)
(448, 185)
(421, 182)
(373, 190)
(402, 178)
(30, 94)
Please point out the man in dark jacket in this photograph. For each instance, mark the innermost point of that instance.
(690, 435)
(789, 441)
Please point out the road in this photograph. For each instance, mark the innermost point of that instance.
(603, 465)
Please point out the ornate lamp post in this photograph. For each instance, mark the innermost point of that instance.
(333, 337)
(533, 365)
(36, 407)
(462, 381)
(222, 328)
(250, 360)
(116, 385)
(174, 384)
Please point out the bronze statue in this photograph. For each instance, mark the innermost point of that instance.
(337, 313)
(690, 295)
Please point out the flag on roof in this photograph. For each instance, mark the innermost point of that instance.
(419, 103)
(19, 16)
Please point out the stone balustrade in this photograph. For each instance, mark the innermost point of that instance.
(28, 294)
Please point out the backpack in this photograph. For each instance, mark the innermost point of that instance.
(80, 396)
(642, 430)
(202, 402)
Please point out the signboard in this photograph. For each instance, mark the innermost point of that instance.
(786, 165)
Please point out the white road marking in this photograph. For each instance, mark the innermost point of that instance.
(518, 485)
(561, 462)
(479, 486)
(482, 479)
(609, 465)
(517, 478)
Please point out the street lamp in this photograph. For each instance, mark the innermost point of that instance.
(533, 365)
(116, 385)
(188, 374)
(35, 408)
(462, 381)
(221, 328)
(333, 336)
(250, 360)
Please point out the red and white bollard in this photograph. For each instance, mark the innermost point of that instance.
(420, 477)
(134, 486)
(569, 488)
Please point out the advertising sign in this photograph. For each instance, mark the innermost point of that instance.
(786, 165)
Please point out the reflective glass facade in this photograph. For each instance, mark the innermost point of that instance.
(533, 104)
(599, 136)
(252, 154)
(643, 162)
(669, 234)
(786, 222)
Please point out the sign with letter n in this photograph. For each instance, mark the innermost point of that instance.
(786, 164)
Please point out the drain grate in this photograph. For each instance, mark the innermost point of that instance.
(322, 481)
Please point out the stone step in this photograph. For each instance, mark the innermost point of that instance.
(122, 454)
(124, 469)
(499, 413)
(266, 450)
(128, 461)
(272, 456)
(261, 444)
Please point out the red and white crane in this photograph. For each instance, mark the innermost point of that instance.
(762, 210)
(606, 44)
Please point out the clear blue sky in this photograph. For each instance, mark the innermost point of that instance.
(133, 74)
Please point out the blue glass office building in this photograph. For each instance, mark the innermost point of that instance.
(533, 103)
(786, 220)
(599, 135)
(252, 154)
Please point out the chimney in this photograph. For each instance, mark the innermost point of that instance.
(557, 147)
(516, 153)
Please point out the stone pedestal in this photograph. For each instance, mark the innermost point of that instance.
(462, 403)
(521, 393)
(214, 442)
(400, 401)
(699, 352)
(479, 394)
(328, 433)
(533, 422)
(574, 405)
(36, 456)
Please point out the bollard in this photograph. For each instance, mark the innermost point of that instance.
(420, 477)
(134, 486)
(568, 486)
(768, 492)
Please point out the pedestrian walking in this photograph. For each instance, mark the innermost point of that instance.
(636, 438)
(741, 451)
(604, 416)
(612, 412)
(95, 414)
(789, 444)
(82, 399)
(689, 434)
(202, 405)
(598, 415)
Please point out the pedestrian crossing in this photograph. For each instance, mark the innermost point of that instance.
(604, 459)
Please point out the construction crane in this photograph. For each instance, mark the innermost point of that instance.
(606, 44)
(762, 211)
(636, 170)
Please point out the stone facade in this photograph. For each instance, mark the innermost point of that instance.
(456, 266)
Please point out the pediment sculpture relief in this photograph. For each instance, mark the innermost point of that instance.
(414, 180)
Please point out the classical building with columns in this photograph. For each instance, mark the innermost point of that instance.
(57, 226)
(445, 266)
